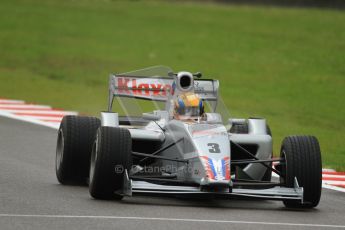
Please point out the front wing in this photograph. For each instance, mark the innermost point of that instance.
(275, 193)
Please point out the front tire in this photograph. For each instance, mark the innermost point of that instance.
(75, 138)
(302, 160)
(111, 156)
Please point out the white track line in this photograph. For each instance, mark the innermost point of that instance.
(136, 218)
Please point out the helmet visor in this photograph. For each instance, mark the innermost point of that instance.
(189, 111)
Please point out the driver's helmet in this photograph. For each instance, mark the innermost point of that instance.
(188, 105)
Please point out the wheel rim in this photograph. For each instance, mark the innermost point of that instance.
(59, 150)
(93, 159)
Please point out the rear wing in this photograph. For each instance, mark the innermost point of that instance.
(156, 88)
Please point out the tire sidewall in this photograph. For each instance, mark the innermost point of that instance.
(302, 161)
(105, 157)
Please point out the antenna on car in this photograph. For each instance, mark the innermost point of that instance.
(172, 74)
(197, 75)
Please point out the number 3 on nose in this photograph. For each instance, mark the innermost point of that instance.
(214, 148)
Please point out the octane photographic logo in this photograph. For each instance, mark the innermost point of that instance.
(119, 169)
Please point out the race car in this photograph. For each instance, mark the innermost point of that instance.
(186, 146)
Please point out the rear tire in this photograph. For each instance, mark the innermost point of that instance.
(302, 160)
(75, 139)
(111, 155)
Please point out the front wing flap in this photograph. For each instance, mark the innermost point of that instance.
(275, 193)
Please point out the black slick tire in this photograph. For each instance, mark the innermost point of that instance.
(111, 156)
(302, 161)
(73, 151)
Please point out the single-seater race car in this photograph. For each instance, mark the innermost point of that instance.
(187, 145)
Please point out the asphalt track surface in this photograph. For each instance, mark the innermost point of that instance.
(31, 198)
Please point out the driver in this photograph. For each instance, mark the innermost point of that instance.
(188, 106)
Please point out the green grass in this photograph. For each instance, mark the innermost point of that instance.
(287, 65)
